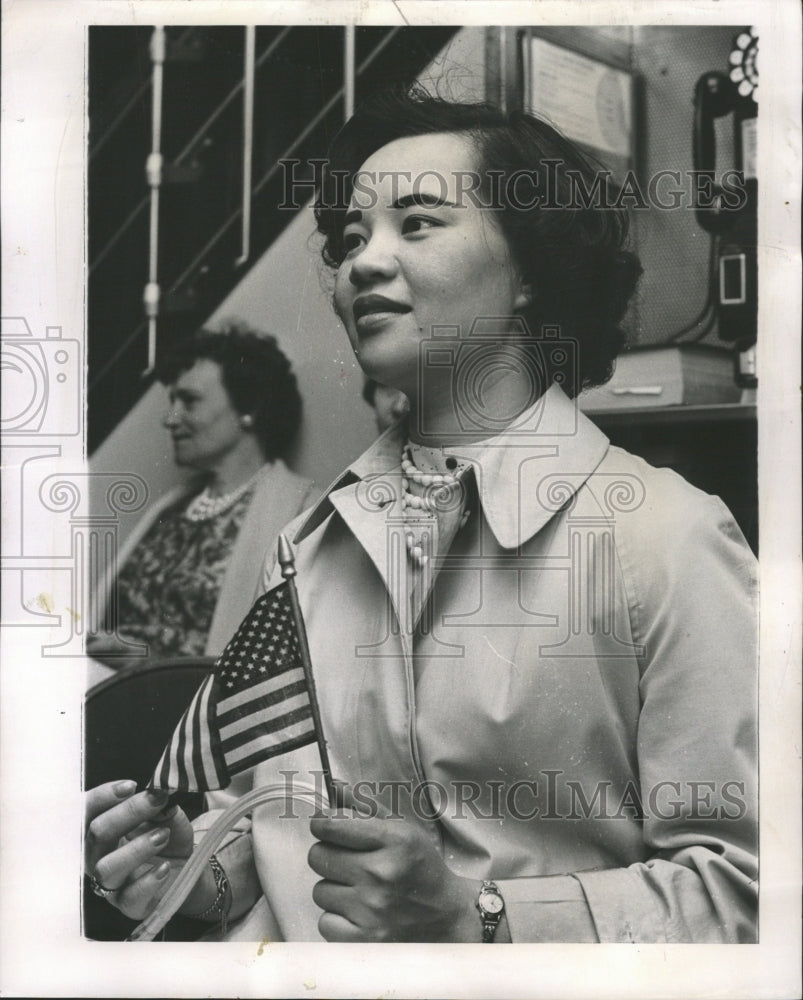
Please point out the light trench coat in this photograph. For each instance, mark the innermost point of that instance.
(572, 696)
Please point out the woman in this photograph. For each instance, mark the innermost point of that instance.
(534, 653)
(189, 571)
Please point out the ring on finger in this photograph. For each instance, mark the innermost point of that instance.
(99, 889)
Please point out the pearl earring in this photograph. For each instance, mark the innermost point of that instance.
(246, 421)
(525, 297)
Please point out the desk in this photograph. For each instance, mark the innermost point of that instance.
(713, 447)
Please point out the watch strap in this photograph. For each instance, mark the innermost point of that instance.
(490, 921)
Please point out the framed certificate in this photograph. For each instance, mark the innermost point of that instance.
(591, 100)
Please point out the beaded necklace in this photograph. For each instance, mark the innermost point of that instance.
(441, 493)
(205, 507)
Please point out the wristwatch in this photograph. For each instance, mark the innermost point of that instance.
(491, 907)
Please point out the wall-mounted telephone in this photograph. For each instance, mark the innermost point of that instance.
(729, 213)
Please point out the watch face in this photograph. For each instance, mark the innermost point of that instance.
(491, 902)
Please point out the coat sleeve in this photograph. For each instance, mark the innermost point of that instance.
(692, 600)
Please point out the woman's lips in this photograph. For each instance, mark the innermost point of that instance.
(371, 311)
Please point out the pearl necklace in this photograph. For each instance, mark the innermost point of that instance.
(205, 507)
(442, 492)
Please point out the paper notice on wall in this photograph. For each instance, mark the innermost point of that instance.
(586, 100)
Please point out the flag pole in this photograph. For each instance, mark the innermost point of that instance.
(288, 566)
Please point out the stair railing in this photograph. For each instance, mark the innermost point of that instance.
(338, 96)
(188, 149)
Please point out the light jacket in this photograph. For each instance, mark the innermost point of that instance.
(575, 700)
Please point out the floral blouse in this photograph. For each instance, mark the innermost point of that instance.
(168, 588)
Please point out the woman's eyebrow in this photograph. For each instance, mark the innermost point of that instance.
(424, 200)
(420, 198)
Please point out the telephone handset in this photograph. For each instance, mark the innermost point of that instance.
(713, 98)
(729, 213)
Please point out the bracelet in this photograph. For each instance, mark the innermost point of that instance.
(222, 902)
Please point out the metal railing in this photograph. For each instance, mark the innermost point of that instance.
(345, 93)
(185, 154)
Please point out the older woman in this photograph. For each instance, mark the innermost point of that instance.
(189, 571)
(535, 654)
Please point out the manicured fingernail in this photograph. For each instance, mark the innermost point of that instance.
(122, 789)
(156, 797)
(159, 837)
(162, 871)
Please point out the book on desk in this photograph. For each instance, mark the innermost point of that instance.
(671, 375)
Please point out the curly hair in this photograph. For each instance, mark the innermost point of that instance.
(572, 252)
(256, 375)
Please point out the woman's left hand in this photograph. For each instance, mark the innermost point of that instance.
(384, 880)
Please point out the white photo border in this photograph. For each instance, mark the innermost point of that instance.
(43, 241)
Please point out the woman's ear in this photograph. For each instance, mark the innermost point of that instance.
(524, 299)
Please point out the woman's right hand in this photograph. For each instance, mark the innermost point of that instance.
(134, 846)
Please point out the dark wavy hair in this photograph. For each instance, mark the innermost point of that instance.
(573, 256)
(256, 375)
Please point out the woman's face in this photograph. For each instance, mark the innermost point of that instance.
(419, 255)
(203, 423)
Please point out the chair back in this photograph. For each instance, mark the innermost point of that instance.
(128, 720)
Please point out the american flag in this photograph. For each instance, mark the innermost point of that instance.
(254, 705)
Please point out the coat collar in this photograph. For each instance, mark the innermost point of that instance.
(523, 475)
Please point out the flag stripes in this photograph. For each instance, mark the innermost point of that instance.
(266, 693)
(271, 735)
(264, 725)
(254, 705)
(270, 717)
(293, 738)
